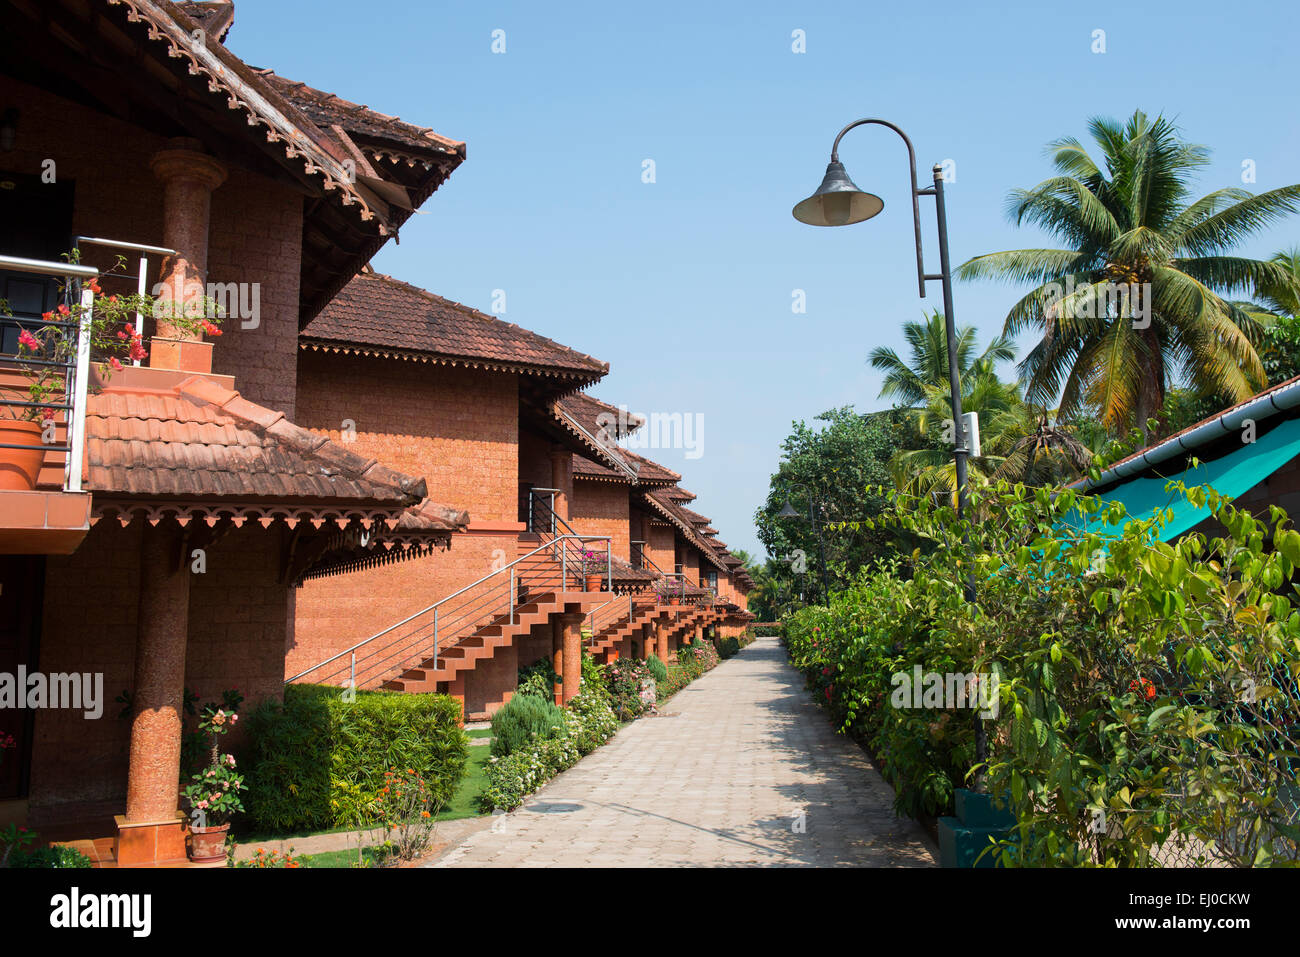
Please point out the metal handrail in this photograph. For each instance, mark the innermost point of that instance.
(77, 376)
(143, 269)
(506, 573)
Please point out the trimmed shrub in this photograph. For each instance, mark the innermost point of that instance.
(520, 719)
(728, 648)
(319, 760)
(657, 668)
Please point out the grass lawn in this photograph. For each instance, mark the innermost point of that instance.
(344, 858)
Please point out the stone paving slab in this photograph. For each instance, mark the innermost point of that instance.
(740, 769)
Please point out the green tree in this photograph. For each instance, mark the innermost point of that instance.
(912, 382)
(1281, 298)
(1128, 220)
(838, 462)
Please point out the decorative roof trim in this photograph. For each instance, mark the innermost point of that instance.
(327, 345)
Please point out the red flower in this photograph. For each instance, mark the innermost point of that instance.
(828, 692)
(1143, 686)
(112, 361)
(94, 286)
(826, 671)
(28, 341)
(209, 328)
(63, 309)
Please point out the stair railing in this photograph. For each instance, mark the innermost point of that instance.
(493, 599)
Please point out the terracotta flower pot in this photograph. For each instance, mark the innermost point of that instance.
(593, 582)
(208, 844)
(20, 467)
(675, 600)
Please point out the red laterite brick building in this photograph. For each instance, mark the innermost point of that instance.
(349, 454)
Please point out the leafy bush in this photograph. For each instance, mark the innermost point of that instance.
(538, 679)
(593, 677)
(57, 855)
(521, 719)
(320, 758)
(624, 679)
(1147, 708)
(728, 647)
(657, 667)
(587, 724)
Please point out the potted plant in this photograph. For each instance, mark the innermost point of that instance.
(594, 566)
(213, 792)
(28, 411)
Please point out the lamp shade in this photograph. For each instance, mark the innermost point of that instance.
(837, 201)
(787, 511)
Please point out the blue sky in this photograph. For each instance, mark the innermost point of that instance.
(685, 285)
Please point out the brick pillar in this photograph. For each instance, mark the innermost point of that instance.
(159, 677)
(151, 830)
(557, 654)
(189, 176)
(571, 672)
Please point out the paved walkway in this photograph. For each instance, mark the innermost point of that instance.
(741, 768)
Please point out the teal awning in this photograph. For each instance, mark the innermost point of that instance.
(1232, 475)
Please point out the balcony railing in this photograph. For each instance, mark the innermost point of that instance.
(142, 273)
(74, 370)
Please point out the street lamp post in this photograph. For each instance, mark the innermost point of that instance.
(839, 202)
(787, 511)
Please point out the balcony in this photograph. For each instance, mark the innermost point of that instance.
(43, 508)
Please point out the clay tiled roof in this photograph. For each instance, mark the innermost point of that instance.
(379, 315)
(679, 494)
(327, 110)
(595, 415)
(304, 130)
(659, 501)
(648, 473)
(201, 441)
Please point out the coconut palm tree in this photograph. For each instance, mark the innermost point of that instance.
(1135, 298)
(1004, 421)
(909, 382)
(1283, 300)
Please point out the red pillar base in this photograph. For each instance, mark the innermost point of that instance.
(149, 843)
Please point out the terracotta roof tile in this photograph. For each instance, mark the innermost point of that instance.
(378, 314)
(595, 414)
(326, 109)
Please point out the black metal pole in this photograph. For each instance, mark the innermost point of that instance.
(961, 450)
(821, 548)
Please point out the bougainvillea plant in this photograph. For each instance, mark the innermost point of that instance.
(46, 349)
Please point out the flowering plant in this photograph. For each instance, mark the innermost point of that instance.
(594, 562)
(407, 810)
(669, 588)
(213, 793)
(265, 858)
(46, 349)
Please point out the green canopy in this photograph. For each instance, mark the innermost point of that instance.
(1231, 475)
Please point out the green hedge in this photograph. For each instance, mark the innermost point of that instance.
(1140, 704)
(728, 647)
(319, 760)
